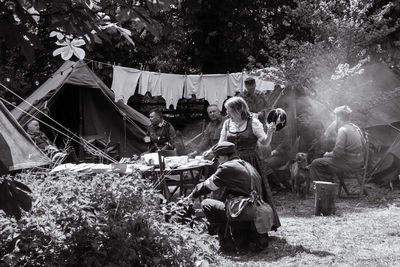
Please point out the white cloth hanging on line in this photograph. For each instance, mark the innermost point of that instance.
(215, 88)
(172, 88)
(192, 86)
(124, 82)
(235, 83)
(150, 82)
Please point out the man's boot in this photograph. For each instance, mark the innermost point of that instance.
(226, 242)
(259, 241)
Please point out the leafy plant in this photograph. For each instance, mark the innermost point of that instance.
(13, 197)
(97, 220)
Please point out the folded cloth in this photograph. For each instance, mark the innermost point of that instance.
(124, 82)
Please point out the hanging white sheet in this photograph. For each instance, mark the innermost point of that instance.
(124, 82)
(192, 86)
(172, 88)
(215, 88)
(150, 82)
(235, 83)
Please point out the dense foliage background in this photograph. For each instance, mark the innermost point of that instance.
(309, 40)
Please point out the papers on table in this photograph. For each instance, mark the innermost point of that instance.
(151, 158)
(82, 167)
(101, 168)
(175, 161)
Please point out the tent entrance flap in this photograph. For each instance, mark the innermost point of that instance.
(17, 150)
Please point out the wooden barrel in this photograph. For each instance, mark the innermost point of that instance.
(325, 193)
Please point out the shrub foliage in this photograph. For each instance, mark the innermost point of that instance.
(96, 220)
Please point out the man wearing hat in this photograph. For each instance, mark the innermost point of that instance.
(347, 154)
(236, 175)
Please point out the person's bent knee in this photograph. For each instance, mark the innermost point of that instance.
(317, 163)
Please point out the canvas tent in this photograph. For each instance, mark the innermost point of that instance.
(383, 124)
(79, 100)
(17, 150)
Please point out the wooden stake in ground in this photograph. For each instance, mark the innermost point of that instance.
(324, 198)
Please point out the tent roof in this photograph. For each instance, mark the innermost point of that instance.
(383, 113)
(17, 151)
(75, 73)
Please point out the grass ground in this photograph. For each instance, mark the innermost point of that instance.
(364, 232)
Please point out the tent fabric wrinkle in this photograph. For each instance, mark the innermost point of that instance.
(82, 76)
(172, 88)
(124, 82)
(382, 114)
(53, 83)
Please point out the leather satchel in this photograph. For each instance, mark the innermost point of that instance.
(250, 208)
(241, 208)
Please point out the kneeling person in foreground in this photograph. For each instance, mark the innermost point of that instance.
(240, 179)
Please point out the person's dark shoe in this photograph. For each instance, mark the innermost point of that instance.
(242, 240)
(227, 246)
(211, 229)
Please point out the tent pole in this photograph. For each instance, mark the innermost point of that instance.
(397, 129)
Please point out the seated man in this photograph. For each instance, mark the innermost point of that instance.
(347, 155)
(43, 142)
(212, 132)
(161, 134)
(236, 175)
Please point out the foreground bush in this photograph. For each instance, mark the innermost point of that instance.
(100, 220)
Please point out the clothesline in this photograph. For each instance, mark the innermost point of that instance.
(215, 88)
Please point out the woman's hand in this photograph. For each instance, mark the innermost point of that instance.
(270, 127)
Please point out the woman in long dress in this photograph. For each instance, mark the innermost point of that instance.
(245, 131)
